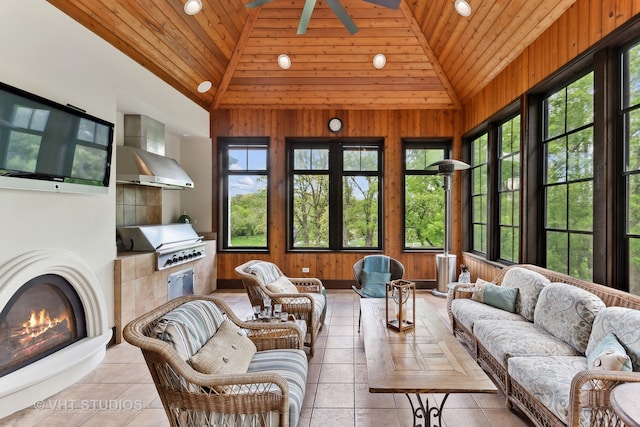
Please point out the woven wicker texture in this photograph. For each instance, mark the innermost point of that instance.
(302, 304)
(190, 398)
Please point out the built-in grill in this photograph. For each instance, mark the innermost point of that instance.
(173, 244)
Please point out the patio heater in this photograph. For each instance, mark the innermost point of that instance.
(446, 262)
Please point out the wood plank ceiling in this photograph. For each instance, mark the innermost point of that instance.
(436, 59)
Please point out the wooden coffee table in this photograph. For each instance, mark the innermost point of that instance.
(426, 359)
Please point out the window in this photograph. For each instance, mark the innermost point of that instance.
(423, 195)
(567, 140)
(244, 179)
(492, 222)
(509, 189)
(335, 189)
(479, 193)
(630, 112)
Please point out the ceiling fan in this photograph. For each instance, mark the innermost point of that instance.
(335, 6)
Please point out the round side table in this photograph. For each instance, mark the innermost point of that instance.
(624, 401)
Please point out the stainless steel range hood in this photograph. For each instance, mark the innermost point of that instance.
(141, 160)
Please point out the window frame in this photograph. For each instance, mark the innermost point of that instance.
(567, 182)
(491, 128)
(224, 144)
(335, 172)
(444, 144)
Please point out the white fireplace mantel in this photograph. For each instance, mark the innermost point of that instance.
(49, 375)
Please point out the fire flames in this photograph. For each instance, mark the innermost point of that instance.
(39, 323)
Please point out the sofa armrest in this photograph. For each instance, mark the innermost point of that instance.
(270, 336)
(307, 284)
(592, 388)
(462, 290)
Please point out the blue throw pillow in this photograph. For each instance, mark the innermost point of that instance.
(500, 297)
(374, 284)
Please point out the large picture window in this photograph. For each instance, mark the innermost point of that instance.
(335, 194)
(568, 145)
(423, 195)
(509, 189)
(244, 181)
(630, 112)
(479, 193)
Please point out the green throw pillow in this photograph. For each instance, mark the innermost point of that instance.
(374, 284)
(500, 297)
(609, 355)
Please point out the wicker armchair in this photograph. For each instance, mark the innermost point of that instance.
(395, 268)
(191, 398)
(309, 304)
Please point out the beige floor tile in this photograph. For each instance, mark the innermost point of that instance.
(344, 341)
(332, 417)
(334, 396)
(339, 355)
(369, 417)
(150, 418)
(337, 373)
(366, 400)
(464, 417)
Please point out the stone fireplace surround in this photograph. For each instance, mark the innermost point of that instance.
(47, 376)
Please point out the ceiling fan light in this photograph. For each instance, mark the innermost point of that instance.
(379, 61)
(284, 61)
(191, 7)
(204, 86)
(463, 7)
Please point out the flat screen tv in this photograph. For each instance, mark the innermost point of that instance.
(52, 147)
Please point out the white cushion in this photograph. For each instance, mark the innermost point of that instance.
(282, 285)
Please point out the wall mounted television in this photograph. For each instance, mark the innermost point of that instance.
(48, 146)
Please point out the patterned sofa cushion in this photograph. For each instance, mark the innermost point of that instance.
(189, 326)
(529, 283)
(266, 272)
(468, 312)
(567, 312)
(505, 339)
(548, 379)
(624, 323)
(293, 366)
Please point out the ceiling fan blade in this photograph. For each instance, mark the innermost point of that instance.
(306, 16)
(390, 4)
(256, 3)
(342, 15)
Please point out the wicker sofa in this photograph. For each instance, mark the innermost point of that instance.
(543, 353)
(305, 298)
(210, 368)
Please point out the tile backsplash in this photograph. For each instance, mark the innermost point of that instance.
(138, 205)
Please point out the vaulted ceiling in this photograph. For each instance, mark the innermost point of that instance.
(436, 59)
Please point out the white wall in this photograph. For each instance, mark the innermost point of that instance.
(47, 53)
(195, 157)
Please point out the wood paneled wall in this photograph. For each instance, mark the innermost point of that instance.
(580, 27)
(336, 268)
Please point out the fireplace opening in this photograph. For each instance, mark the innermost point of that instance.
(42, 317)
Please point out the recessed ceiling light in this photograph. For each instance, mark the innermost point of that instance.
(462, 7)
(379, 61)
(204, 86)
(191, 7)
(284, 61)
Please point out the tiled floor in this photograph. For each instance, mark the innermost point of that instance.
(120, 392)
